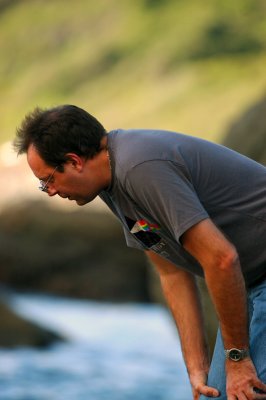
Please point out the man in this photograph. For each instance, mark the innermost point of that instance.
(195, 207)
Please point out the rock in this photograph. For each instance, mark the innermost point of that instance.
(247, 134)
(80, 254)
(16, 331)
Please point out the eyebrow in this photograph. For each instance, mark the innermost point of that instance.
(44, 179)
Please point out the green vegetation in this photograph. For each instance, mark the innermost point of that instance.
(184, 65)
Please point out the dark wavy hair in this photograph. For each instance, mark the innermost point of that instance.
(60, 130)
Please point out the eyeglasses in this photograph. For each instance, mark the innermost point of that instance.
(44, 184)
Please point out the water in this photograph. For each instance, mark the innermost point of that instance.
(114, 352)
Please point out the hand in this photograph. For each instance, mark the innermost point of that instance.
(198, 382)
(242, 381)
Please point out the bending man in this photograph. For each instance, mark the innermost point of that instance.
(195, 208)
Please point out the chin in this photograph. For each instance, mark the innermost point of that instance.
(82, 202)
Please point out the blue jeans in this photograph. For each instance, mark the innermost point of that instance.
(257, 332)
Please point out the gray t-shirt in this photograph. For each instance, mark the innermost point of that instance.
(164, 182)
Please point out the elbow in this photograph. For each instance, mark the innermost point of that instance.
(228, 260)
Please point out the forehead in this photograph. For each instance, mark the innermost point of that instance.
(38, 166)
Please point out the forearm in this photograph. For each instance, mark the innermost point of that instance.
(181, 293)
(219, 260)
(229, 297)
(183, 300)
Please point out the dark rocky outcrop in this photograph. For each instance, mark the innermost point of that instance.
(80, 253)
(16, 331)
(247, 134)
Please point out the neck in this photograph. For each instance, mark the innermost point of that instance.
(105, 163)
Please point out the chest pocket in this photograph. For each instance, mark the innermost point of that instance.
(145, 232)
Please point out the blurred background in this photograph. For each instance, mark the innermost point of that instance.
(81, 315)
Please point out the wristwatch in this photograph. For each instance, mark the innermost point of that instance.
(236, 354)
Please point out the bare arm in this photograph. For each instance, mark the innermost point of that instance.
(224, 279)
(180, 290)
(225, 282)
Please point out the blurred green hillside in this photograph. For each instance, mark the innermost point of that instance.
(185, 65)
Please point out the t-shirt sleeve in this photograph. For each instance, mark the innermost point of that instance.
(164, 190)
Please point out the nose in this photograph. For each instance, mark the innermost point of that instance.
(51, 191)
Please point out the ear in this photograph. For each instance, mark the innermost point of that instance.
(75, 161)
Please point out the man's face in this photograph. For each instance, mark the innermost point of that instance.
(77, 182)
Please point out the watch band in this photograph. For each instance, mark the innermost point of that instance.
(236, 354)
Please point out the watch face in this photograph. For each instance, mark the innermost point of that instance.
(235, 355)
